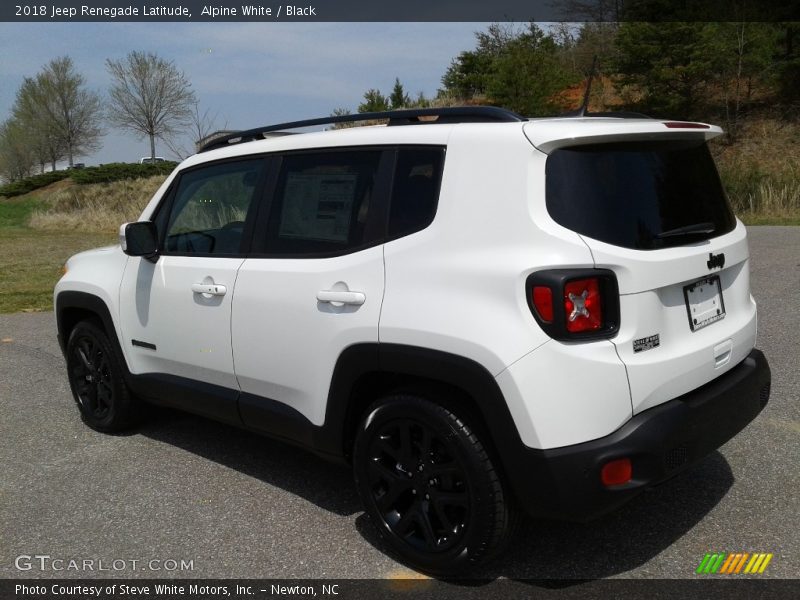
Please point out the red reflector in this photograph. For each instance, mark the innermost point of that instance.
(583, 305)
(543, 302)
(685, 125)
(616, 472)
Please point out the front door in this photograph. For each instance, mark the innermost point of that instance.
(176, 312)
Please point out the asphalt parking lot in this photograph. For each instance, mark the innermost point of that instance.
(185, 489)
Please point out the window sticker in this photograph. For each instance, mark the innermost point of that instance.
(318, 206)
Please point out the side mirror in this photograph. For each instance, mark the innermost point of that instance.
(140, 239)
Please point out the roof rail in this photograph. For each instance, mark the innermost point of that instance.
(454, 114)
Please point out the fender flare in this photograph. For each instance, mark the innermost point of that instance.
(89, 303)
(434, 365)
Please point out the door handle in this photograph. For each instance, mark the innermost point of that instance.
(337, 297)
(212, 289)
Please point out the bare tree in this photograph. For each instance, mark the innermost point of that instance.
(149, 96)
(62, 116)
(201, 125)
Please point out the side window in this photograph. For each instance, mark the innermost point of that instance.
(415, 192)
(210, 208)
(321, 202)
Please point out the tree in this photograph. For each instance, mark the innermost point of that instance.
(469, 73)
(664, 62)
(149, 96)
(374, 101)
(398, 98)
(201, 125)
(16, 156)
(529, 74)
(789, 64)
(521, 69)
(684, 69)
(591, 11)
(45, 142)
(61, 114)
(741, 59)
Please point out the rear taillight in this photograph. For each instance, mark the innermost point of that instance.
(583, 305)
(572, 304)
(543, 302)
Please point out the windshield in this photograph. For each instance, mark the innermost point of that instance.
(642, 195)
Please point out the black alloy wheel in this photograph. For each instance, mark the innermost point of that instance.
(418, 485)
(97, 381)
(91, 372)
(429, 485)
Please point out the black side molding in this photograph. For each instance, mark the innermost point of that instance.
(204, 399)
(141, 344)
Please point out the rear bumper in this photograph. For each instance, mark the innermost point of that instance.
(660, 442)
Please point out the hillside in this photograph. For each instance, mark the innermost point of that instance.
(40, 230)
(98, 207)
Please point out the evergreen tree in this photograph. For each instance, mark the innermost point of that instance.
(374, 101)
(398, 98)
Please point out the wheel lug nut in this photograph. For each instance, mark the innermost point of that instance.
(427, 497)
(419, 468)
(414, 492)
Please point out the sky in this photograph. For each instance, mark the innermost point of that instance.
(248, 74)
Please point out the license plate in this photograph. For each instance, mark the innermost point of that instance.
(704, 303)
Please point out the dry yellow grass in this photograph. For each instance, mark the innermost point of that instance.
(100, 207)
(760, 171)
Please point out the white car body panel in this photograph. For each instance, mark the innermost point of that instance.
(97, 272)
(191, 331)
(566, 393)
(285, 341)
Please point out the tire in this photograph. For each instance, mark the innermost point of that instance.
(429, 486)
(97, 381)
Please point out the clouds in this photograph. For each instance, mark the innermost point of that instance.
(251, 73)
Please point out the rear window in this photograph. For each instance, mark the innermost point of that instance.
(642, 195)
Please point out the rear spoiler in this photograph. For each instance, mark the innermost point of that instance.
(547, 135)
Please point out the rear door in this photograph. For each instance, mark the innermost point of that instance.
(655, 213)
(314, 283)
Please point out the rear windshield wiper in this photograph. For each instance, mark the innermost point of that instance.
(687, 230)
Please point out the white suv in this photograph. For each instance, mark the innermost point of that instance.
(481, 313)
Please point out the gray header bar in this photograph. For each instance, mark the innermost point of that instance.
(397, 11)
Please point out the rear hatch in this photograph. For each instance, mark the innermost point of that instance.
(646, 199)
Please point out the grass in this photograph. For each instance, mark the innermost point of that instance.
(31, 260)
(761, 172)
(41, 230)
(100, 207)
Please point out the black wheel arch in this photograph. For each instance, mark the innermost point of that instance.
(72, 307)
(367, 371)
